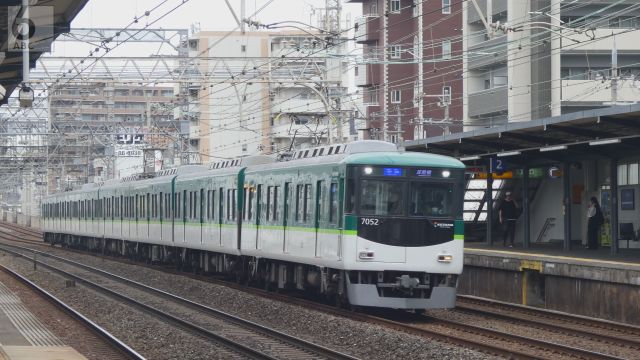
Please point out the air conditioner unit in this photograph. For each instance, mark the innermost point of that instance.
(25, 97)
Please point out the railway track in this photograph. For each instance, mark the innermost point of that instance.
(589, 328)
(475, 337)
(111, 341)
(226, 329)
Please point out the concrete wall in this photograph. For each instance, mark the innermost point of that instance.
(569, 285)
(21, 219)
(547, 203)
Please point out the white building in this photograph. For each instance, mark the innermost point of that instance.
(262, 90)
(526, 60)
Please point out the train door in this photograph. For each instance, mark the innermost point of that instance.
(285, 217)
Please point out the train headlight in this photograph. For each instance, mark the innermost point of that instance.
(446, 173)
(368, 170)
(366, 255)
(445, 258)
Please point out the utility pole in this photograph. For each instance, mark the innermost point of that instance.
(331, 24)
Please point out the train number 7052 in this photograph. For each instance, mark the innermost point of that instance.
(369, 221)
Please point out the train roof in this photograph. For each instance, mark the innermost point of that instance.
(405, 158)
(366, 152)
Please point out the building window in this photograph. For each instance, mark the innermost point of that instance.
(628, 174)
(446, 95)
(373, 9)
(395, 96)
(396, 51)
(446, 6)
(394, 6)
(372, 96)
(446, 49)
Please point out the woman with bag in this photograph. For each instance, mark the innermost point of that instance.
(595, 220)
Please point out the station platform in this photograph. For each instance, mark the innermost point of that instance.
(24, 337)
(585, 282)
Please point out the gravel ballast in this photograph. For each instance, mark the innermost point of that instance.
(352, 337)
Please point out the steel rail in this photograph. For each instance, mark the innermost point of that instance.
(570, 318)
(252, 326)
(97, 329)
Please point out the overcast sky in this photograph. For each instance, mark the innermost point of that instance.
(208, 14)
(211, 14)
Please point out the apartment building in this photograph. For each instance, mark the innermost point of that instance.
(267, 91)
(525, 60)
(104, 128)
(411, 68)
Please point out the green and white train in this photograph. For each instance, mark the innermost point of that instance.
(363, 223)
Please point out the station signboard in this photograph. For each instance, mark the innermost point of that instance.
(128, 152)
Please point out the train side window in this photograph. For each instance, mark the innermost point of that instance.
(234, 205)
(269, 209)
(299, 202)
(211, 194)
(319, 202)
(194, 205)
(258, 203)
(221, 205)
(245, 205)
(185, 205)
(276, 211)
(350, 198)
(307, 201)
(201, 203)
(333, 203)
(148, 206)
(229, 204)
(251, 192)
(209, 204)
(177, 211)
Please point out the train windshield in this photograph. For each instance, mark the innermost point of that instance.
(404, 192)
(428, 199)
(379, 197)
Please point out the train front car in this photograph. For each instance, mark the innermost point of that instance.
(403, 217)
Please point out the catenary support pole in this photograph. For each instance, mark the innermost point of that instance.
(566, 203)
(613, 169)
(489, 201)
(526, 218)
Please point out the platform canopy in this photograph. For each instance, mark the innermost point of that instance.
(50, 18)
(612, 132)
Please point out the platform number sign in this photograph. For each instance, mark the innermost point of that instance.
(498, 165)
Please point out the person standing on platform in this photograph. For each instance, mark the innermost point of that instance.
(508, 213)
(595, 220)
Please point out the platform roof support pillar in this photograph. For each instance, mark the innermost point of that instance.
(526, 218)
(613, 169)
(566, 177)
(489, 201)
